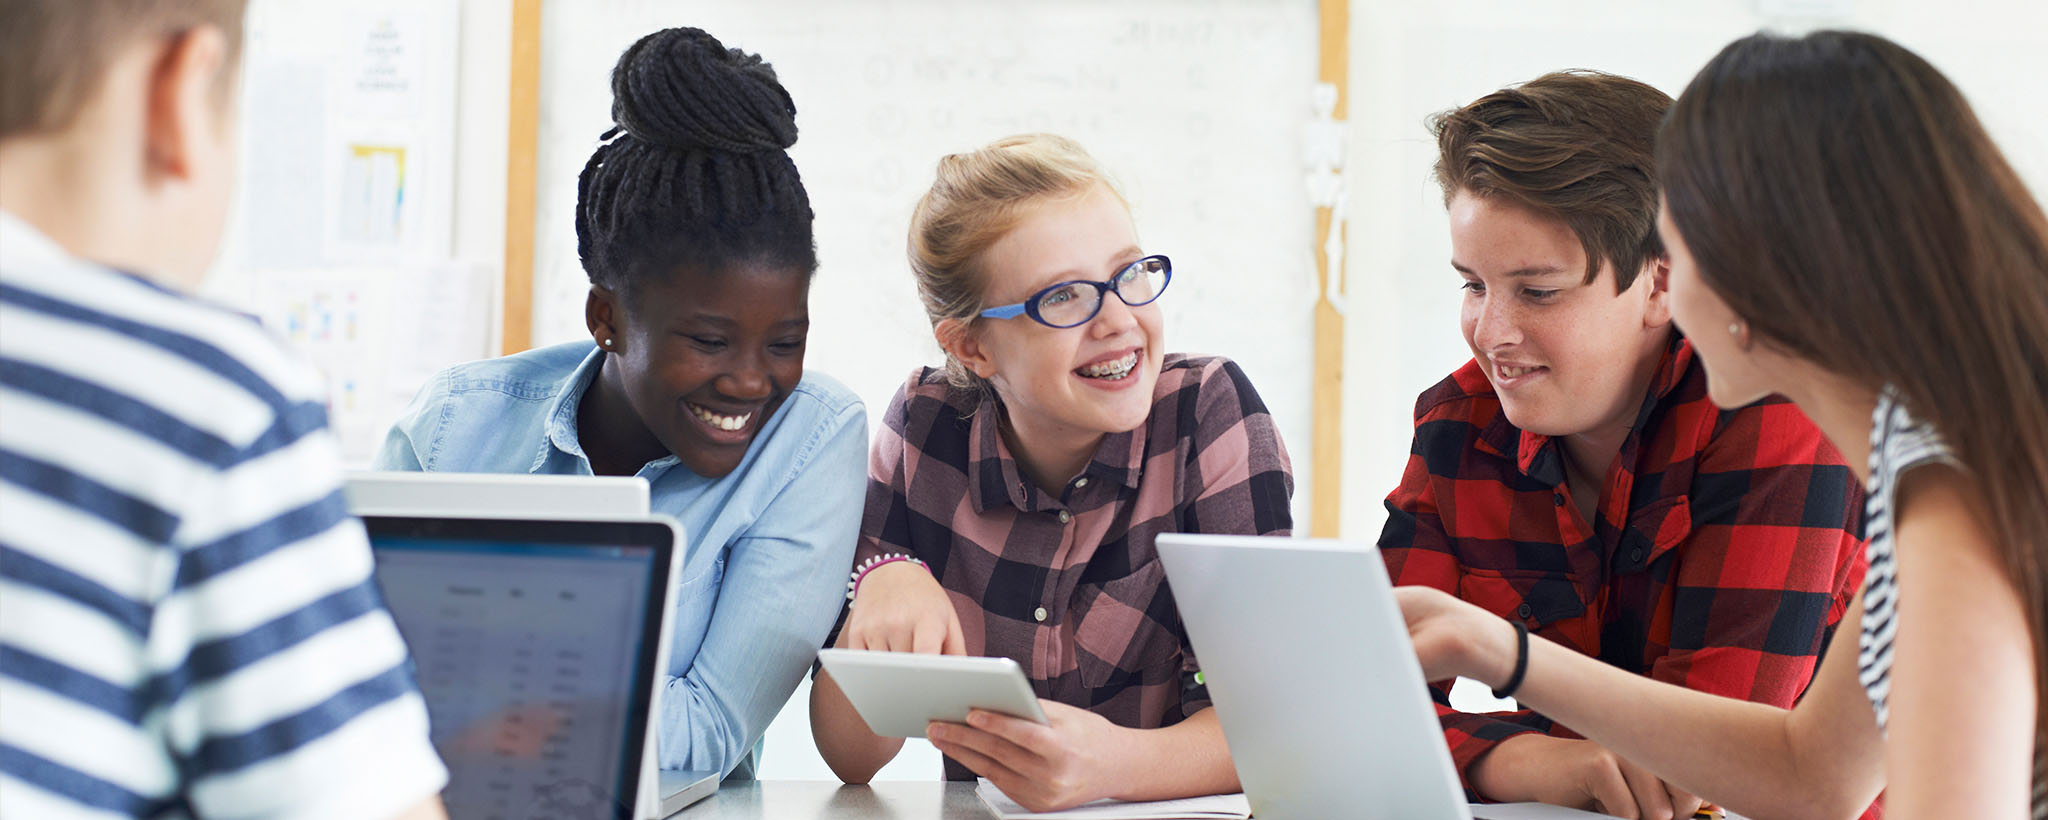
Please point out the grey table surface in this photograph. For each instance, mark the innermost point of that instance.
(795, 799)
(898, 800)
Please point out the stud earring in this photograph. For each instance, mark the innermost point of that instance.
(1734, 329)
(607, 343)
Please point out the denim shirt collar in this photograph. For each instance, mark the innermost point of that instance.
(562, 435)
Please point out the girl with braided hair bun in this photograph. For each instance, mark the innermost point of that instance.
(695, 230)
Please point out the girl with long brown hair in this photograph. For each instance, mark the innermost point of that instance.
(1844, 233)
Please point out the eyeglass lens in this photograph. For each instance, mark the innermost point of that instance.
(1077, 302)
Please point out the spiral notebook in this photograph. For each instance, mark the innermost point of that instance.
(1212, 807)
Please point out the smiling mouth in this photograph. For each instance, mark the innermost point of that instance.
(719, 421)
(1510, 373)
(1116, 369)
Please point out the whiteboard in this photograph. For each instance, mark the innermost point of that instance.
(1197, 109)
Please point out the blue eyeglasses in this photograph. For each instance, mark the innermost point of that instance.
(1072, 304)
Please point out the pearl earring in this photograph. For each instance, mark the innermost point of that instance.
(607, 343)
(1734, 328)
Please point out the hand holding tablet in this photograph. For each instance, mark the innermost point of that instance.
(898, 693)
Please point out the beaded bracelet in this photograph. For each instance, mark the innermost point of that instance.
(870, 565)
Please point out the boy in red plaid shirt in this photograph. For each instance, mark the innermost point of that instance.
(1574, 475)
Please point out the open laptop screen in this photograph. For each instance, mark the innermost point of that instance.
(534, 643)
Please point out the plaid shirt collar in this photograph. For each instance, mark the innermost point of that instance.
(1120, 459)
(1537, 456)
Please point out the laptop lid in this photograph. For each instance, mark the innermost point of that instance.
(680, 788)
(538, 645)
(1318, 690)
(494, 495)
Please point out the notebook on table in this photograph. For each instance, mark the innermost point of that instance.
(1211, 807)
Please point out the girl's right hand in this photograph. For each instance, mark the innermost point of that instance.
(1455, 638)
(900, 607)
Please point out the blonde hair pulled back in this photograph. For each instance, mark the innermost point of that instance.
(977, 198)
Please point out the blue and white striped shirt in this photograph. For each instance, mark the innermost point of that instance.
(188, 624)
(1898, 443)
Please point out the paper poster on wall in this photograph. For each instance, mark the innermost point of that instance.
(344, 235)
(391, 133)
(377, 334)
(283, 202)
(348, 135)
(385, 66)
(324, 316)
(373, 195)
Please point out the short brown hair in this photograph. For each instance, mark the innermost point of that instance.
(53, 52)
(979, 197)
(1578, 145)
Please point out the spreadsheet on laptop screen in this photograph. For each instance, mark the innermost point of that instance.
(527, 657)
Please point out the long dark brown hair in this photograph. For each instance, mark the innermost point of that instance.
(1840, 195)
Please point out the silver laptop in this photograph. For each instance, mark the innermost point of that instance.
(539, 646)
(1321, 698)
(494, 495)
(680, 788)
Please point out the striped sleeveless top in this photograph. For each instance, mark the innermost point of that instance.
(1898, 443)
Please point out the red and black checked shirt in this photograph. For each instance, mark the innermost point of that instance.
(1069, 584)
(1724, 552)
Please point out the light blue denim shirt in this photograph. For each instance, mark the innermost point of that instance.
(769, 545)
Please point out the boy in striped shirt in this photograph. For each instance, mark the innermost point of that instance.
(188, 623)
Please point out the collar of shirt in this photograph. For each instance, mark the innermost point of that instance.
(1538, 456)
(1118, 460)
(561, 415)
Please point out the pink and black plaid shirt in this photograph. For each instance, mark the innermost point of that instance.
(1069, 584)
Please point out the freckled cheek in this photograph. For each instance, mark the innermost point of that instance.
(1054, 357)
(1152, 319)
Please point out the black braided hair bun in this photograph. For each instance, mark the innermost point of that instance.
(681, 88)
(696, 170)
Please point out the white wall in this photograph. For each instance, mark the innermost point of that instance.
(1410, 60)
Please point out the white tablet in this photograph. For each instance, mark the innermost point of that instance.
(897, 693)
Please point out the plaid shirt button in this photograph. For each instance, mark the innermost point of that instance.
(1038, 614)
(1524, 612)
(1557, 499)
(1064, 518)
(1080, 482)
